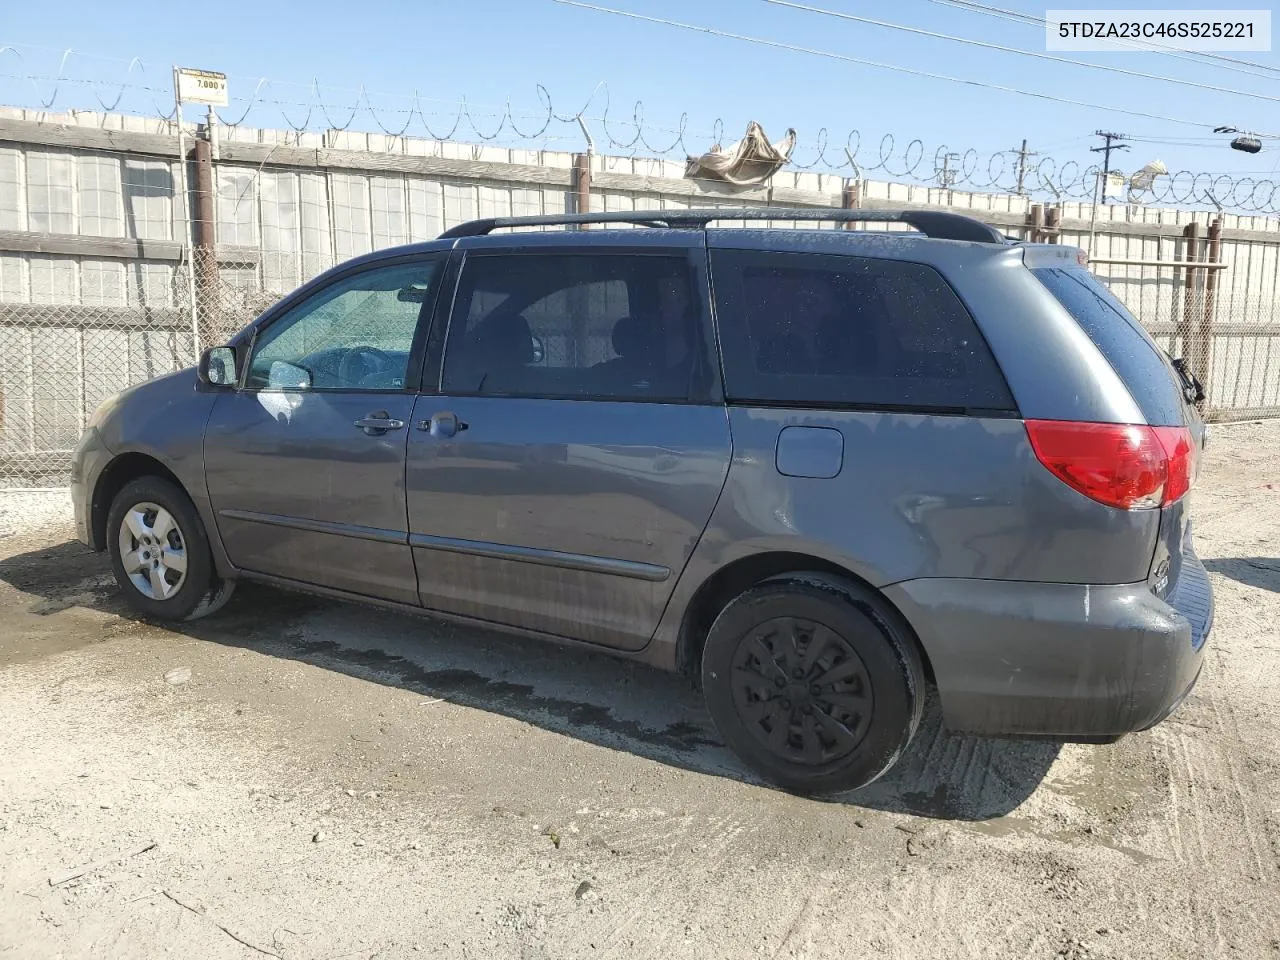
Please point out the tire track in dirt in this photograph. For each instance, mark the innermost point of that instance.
(1228, 725)
(671, 872)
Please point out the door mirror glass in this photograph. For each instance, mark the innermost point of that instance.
(217, 367)
(288, 377)
(539, 352)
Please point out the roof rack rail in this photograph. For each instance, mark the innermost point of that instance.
(938, 224)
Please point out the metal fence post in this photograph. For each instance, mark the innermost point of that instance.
(1205, 334)
(206, 255)
(851, 198)
(1052, 219)
(1186, 326)
(582, 184)
(185, 201)
(1035, 223)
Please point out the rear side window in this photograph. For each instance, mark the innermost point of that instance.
(1139, 361)
(612, 326)
(802, 328)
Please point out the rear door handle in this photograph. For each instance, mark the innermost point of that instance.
(378, 423)
(443, 424)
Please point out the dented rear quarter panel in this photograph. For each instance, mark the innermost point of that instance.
(917, 496)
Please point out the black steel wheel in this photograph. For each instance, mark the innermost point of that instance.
(813, 681)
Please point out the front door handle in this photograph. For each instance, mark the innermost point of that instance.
(378, 423)
(444, 424)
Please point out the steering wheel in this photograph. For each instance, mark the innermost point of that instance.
(347, 375)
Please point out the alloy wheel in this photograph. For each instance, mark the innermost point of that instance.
(153, 551)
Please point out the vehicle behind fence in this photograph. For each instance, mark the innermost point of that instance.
(107, 278)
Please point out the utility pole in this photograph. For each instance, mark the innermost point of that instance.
(1023, 154)
(1109, 145)
(948, 176)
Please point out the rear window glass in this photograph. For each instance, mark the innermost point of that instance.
(851, 331)
(1139, 361)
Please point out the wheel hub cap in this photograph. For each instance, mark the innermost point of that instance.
(153, 551)
(802, 690)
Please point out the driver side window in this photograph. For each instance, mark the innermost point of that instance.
(355, 334)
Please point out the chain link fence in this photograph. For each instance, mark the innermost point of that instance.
(60, 360)
(61, 357)
(108, 279)
(1235, 353)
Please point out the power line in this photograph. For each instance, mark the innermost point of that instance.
(827, 54)
(918, 31)
(1201, 57)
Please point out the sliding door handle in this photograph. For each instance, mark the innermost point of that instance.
(443, 424)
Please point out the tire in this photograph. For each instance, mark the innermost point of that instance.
(146, 550)
(855, 704)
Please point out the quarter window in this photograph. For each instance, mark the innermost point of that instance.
(849, 331)
(1126, 345)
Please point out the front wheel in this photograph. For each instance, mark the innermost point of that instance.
(814, 682)
(160, 553)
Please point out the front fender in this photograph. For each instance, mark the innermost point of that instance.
(164, 420)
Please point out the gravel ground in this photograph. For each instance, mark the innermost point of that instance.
(303, 779)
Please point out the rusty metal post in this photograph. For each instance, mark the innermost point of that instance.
(1205, 334)
(582, 184)
(1035, 223)
(577, 301)
(206, 254)
(851, 198)
(1052, 217)
(1186, 324)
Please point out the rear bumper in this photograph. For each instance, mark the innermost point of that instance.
(1057, 659)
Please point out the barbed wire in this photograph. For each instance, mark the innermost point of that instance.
(315, 108)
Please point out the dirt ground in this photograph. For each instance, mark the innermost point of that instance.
(303, 779)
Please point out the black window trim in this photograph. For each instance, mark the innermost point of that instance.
(990, 413)
(845, 406)
(417, 349)
(710, 393)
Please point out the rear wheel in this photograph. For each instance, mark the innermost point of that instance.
(813, 682)
(160, 553)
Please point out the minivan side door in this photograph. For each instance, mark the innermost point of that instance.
(561, 476)
(305, 459)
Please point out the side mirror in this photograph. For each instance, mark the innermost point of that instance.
(539, 351)
(217, 367)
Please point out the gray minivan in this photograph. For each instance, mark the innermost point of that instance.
(814, 469)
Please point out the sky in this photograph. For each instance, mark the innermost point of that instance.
(492, 52)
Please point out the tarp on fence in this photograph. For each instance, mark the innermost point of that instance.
(750, 161)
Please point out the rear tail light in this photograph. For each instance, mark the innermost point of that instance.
(1181, 451)
(1130, 466)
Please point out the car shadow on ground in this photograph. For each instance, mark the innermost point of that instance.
(590, 696)
(1260, 572)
